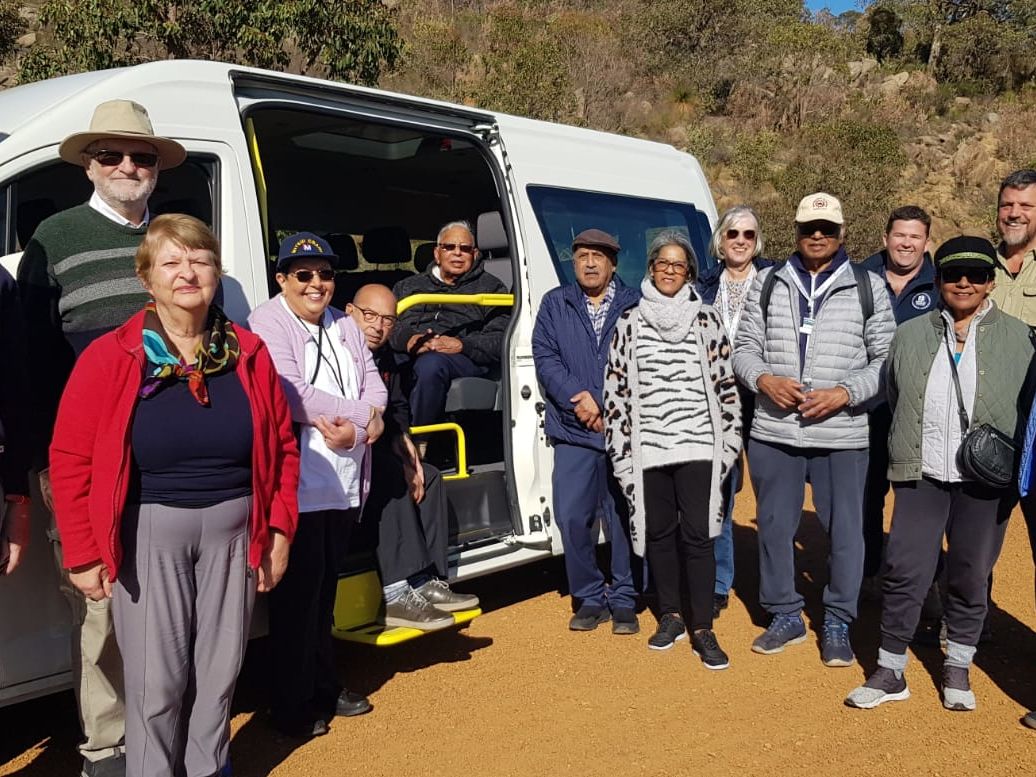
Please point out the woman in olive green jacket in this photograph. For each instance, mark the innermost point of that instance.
(989, 352)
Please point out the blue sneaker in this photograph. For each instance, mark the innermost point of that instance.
(783, 630)
(835, 649)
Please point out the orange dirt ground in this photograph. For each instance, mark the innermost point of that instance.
(516, 693)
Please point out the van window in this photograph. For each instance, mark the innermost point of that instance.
(635, 221)
(43, 191)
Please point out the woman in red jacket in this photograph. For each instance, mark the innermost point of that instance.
(174, 470)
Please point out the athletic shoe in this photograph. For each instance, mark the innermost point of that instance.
(783, 630)
(413, 611)
(956, 689)
(438, 593)
(705, 646)
(835, 649)
(719, 603)
(882, 686)
(349, 704)
(624, 621)
(670, 630)
(589, 618)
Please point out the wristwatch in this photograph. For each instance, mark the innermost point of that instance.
(18, 499)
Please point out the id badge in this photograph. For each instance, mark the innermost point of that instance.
(807, 326)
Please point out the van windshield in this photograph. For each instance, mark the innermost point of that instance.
(635, 221)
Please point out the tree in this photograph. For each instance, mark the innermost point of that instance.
(884, 38)
(343, 39)
(11, 26)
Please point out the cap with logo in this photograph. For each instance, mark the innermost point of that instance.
(820, 206)
(125, 120)
(966, 251)
(596, 238)
(304, 245)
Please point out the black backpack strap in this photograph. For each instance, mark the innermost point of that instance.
(863, 288)
(766, 292)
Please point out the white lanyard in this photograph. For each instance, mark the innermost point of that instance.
(814, 293)
(731, 322)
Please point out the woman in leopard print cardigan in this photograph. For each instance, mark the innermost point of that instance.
(673, 434)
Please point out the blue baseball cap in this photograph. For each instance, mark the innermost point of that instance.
(304, 245)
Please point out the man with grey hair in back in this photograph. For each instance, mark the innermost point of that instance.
(444, 342)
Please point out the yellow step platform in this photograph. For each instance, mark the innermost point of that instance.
(356, 613)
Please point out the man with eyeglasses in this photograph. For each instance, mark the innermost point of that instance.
(77, 281)
(811, 344)
(405, 515)
(444, 342)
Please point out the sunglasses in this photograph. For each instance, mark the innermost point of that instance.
(678, 268)
(733, 234)
(112, 158)
(305, 276)
(370, 316)
(825, 228)
(465, 248)
(977, 276)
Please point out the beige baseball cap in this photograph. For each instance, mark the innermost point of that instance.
(819, 207)
(121, 119)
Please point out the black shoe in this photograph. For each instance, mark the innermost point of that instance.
(719, 603)
(589, 618)
(112, 766)
(350, 704)
(302, 729)
(624, 621)
(1030, 719)
(706, 647)
(670, 629)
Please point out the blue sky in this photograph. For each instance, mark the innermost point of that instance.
(834, 6)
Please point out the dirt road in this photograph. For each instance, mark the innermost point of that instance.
(518, 694)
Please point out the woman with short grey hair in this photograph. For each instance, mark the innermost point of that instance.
(673, 433)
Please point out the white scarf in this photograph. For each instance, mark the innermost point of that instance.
(672, 317)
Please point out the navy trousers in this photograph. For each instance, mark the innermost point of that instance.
(431, 374)
(583, 490)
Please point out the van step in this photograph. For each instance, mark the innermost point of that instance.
(357, 604)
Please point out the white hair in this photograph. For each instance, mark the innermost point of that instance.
(455, 225)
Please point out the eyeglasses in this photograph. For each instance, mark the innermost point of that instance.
(733, 234)
(678, 268)
(465, 248)
(825, 228)
(977, 276)
(370, 316)
(108, 158)
(305, 276)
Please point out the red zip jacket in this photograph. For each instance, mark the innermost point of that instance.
(90, 453)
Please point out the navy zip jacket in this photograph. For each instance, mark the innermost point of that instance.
(707, 285)
(569, 359)
(14, 442)
(919, 296)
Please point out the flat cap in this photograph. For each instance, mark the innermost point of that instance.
(596, 238)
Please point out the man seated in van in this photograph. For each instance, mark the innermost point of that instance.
(443, 341)
(406, 509)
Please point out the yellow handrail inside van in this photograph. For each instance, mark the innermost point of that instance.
(462, 445)
(485, 300)
(260, 178)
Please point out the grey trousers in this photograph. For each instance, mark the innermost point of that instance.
(183, 605)
(96, 669)
(779, 474)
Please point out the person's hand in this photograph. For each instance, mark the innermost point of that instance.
(92, 580)
(45, 490)
(786, 393)
(445, 344)
(375, 426)
(598, 425)
(419, 343)
(14, 540)
(412, 469)
(339, 433)
(820, 403)
(586, 410)
(274, 561)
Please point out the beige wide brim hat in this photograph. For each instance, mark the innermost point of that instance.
(121, 119)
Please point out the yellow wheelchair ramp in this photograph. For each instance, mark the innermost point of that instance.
(357, 604)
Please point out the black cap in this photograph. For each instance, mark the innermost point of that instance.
(596, 238)
(966, 251)
(304, 245)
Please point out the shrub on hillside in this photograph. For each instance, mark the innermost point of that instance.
(11, 26)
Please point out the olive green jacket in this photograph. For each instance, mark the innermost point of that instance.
(1004, 355)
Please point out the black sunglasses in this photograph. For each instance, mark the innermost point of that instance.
(305, 276)
(825, 228)
(113, 158)
(465, 248)
(732, 234)
(976, 276)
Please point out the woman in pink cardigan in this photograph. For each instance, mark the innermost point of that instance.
(336, 398)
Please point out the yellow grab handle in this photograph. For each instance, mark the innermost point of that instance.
(485, 300)
(462, 445)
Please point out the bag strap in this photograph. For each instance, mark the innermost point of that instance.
(961, 412)
(766, 292)
(864, 290)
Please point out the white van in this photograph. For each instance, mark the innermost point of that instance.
(377, 173)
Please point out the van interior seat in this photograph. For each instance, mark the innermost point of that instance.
(387, 245)
(424, 255)
(344, 247)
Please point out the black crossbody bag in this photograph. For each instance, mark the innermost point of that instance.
(986, 454)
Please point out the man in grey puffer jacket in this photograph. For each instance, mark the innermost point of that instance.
(815, 363)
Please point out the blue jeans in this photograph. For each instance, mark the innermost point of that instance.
(724, 544)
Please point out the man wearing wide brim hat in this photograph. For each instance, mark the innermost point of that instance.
(77, 280)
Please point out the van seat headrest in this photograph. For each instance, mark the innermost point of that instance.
(491, 234)
(344, 246)
(386, 245)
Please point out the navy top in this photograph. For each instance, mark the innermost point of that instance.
(189, 455)
(919, 296)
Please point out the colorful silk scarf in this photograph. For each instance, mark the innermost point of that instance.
(217, 353)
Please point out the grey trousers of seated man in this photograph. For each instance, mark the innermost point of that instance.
(183, 604)
(96, 669)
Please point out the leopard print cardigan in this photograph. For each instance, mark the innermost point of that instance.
(622, 416)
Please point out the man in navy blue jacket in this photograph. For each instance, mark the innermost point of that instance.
(570, 345)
